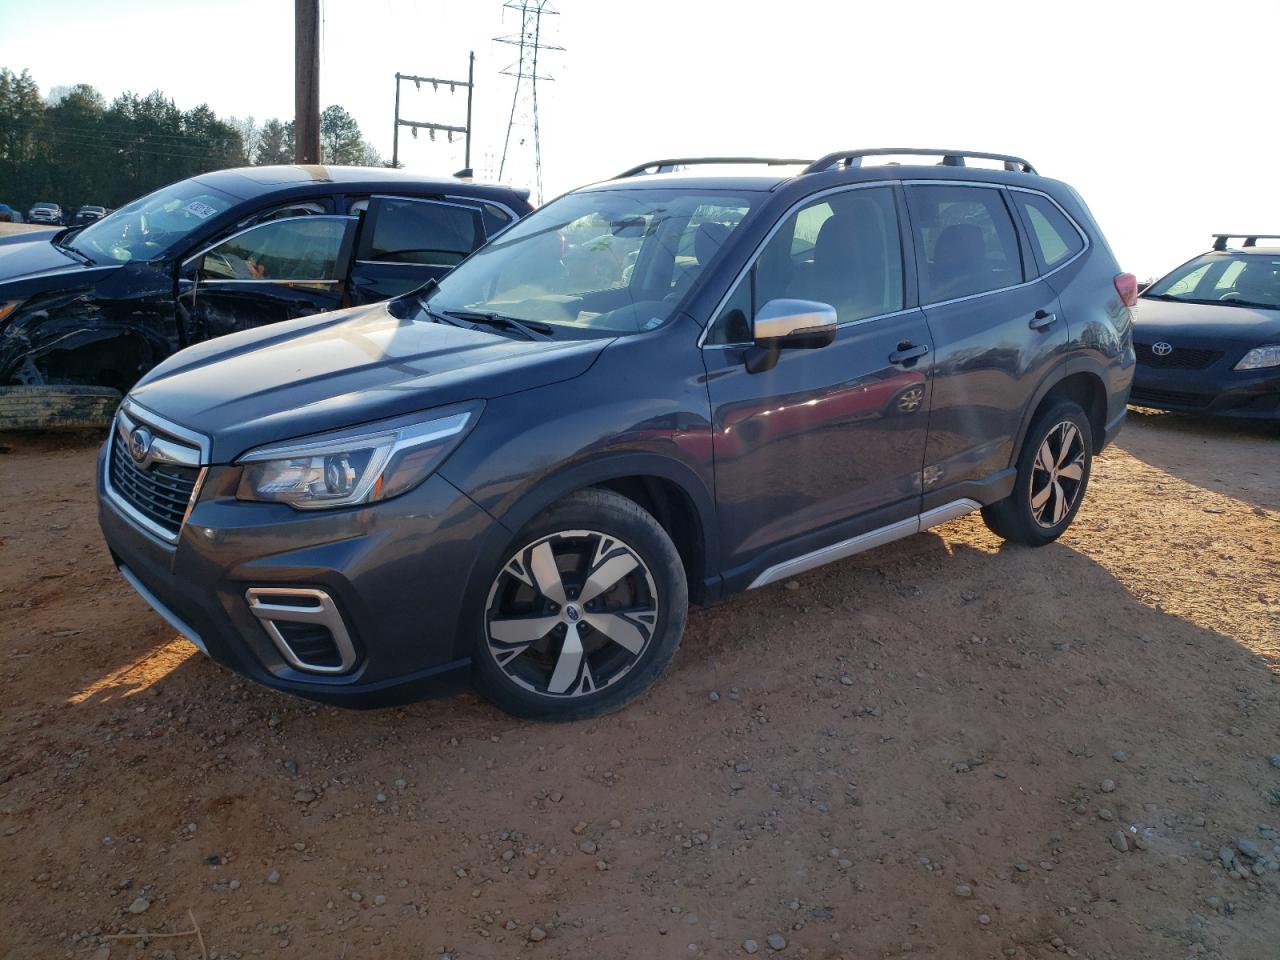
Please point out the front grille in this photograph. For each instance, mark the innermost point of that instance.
(1181, 358)
(1173, 398)
(160, 492)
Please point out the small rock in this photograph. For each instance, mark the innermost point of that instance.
(141, 905)
(791, 585)
(1275, 760)
(1249, 848)
(1105, 814)
(587, 846)
(777, 941)
(984, 919)
(305, 796)
(713, 696)
(750, 946)
(234, 884)
(1120, 841)
(1107, 786)
(1119, 756)
(273, 876)
(379, 900)
(963, 890)
(1227, 856)
(580, 828)
(537, 934)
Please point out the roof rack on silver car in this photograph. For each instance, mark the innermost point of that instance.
(667, 166)
(1250, 239)
(950, 158)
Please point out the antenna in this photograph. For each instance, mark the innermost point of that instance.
(524, 100)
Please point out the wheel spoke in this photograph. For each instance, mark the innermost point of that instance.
(523, 630)
(1072, 471)
(606, 575)
(1059, 502)
(622, 631)
(1044, 456)
(1069, 434)
(546, 575)
(1038, 499)
(568, 664)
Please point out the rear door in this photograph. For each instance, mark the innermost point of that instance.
(272, 271)
(405, 241)
(996, 328)
(829, 443)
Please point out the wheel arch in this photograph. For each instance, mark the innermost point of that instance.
(668, 489)
(1082, 380)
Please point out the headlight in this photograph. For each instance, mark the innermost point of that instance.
(1259, 357)
(342, 469)
(7, 307)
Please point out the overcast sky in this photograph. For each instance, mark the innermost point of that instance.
(1151, 110)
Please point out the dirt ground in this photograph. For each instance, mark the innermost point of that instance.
(926, 750)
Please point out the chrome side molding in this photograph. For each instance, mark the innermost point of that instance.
(271, 606)
(865, 541)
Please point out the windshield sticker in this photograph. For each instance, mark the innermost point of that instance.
(198, 209)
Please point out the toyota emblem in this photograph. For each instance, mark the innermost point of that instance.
(1162, 349)
(140, 443)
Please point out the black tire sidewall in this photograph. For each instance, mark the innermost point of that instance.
(613, 514)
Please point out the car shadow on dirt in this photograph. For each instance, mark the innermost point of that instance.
(1238, 458)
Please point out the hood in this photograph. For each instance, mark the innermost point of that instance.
(1156, 318)
(343, 369)
(23, 258)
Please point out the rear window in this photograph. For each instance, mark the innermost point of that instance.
(422, 232)
(1053, 237)
(965, 241)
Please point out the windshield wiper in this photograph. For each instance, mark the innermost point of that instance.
(82, 257)
(532, 330)
(1253, 304)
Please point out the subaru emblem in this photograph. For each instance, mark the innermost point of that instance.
(1162, 349)
(140, 443)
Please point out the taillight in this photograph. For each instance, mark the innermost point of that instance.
(1127, 287)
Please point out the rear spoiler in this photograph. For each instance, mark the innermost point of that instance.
(1250, 239)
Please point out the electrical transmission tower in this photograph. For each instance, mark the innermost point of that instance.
(524, 100)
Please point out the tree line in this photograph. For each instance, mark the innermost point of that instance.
(74, 148)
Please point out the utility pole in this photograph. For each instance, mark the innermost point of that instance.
(433, 128)
(524, 106)
(306, 81)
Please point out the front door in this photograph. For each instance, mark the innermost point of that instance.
(829, 443)
(273, 271)
(995, 328)
(405, 242)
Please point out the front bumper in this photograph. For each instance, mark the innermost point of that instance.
(397, 573)
(1217, 392)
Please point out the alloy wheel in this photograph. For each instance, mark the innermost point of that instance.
(1057, 474)
(571, 613)
(909, 400)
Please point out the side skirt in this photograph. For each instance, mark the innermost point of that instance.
(865, 541)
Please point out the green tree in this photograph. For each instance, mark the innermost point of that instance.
(275, 143)
(340, 140)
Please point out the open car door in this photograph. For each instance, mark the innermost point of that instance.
(278, 270)
(404, 242)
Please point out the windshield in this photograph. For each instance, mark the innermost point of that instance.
(602, 261)
(1250, 280)
(152, 226)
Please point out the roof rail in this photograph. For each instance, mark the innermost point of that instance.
(1250, 239)
(666, 166)
(950, 158)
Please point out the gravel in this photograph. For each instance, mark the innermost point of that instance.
(776, 941)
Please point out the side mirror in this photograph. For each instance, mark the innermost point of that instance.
(796, 324)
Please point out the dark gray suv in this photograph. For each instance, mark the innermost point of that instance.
(663, 388)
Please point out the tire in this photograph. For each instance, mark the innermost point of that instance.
(1047, 492)
(606, 565)
(57, 407)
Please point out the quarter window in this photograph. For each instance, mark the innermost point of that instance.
(302, 249)
(965, 241)
(1054, 237)
(843, 250)
(421, 232)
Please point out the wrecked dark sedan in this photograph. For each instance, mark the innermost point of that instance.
(85, 311)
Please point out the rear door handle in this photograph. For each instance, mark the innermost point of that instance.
(1042, 320)
(908, 353)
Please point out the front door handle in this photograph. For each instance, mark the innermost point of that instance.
(1042, 320)
(907, 352)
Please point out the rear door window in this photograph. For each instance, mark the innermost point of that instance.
(1054, 237)
(965, 241)
(420, 232)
